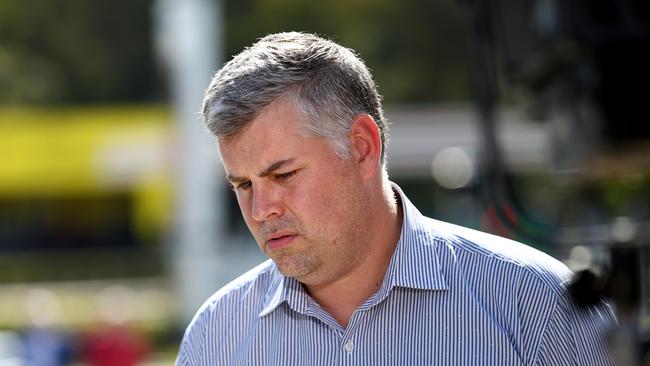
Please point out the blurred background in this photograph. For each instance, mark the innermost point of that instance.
(527, 119)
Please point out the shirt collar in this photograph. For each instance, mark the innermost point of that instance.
(285, 289)
(414, 264)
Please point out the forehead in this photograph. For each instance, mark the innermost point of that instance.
(276, 133)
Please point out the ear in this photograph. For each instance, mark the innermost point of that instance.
(365, 145)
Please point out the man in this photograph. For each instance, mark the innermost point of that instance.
(357, 275)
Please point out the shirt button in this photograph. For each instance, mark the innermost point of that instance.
(349, 345)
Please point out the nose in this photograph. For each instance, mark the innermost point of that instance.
(266, 202)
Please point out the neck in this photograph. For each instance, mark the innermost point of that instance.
(342, 297)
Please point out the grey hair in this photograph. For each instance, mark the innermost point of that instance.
(328, 83)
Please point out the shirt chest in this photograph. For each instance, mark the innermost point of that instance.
(407, 328)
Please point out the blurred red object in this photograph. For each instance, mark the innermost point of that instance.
(115, 346)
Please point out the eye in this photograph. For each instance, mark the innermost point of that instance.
(242, 186)
(285, 176)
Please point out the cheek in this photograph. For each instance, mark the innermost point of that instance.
(317, 206)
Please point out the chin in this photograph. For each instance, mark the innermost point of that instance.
(290, 270)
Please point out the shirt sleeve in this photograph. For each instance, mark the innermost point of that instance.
(187, 355)
(576, 336)
(182, 358)
(192, 350)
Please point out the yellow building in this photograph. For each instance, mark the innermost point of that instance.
(83, 178)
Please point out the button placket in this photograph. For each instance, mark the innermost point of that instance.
(348, 346)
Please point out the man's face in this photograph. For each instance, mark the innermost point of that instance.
(301, 201)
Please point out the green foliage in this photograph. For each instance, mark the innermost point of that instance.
(75, 51)
(79, 51)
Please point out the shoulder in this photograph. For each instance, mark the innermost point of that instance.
(494, 256)
(232, 307)
(470, 250)
(252, 285)
(525, 290)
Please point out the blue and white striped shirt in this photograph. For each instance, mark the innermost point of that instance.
(450, 296)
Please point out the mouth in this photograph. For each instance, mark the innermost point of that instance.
(280, 241)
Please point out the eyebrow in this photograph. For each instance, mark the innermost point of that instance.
(269, 170)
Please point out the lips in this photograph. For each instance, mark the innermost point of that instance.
(279, 241)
